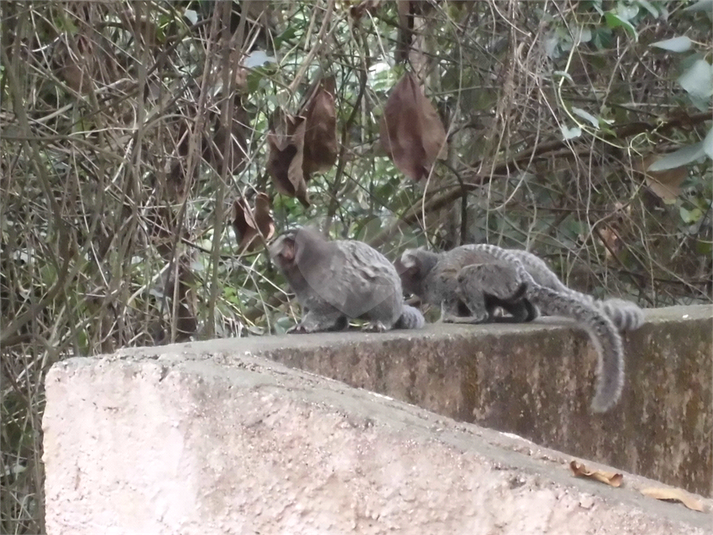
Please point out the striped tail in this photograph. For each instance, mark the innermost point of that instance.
(604, 335)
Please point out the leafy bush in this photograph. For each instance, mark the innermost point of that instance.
(136, 142)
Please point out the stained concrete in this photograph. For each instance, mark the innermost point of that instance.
(534, 380)
(207, 440)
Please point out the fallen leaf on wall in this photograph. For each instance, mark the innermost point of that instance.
(320, 139)
(613, 479)
(286, 142)
(677, 495)
(249, 223)
(411, 131)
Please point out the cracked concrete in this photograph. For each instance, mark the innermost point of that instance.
(212, 438)
(182, 442)
(534, 380)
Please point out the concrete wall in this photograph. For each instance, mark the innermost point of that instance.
(537, 381)
(206, 440)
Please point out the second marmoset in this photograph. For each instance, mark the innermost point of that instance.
(472, 282)
(340, 280)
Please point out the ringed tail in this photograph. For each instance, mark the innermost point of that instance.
(604, 335)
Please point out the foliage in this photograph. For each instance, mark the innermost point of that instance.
(135, 143)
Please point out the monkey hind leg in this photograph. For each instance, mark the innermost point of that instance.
(486, 287)
(324, 320)
(457, 311)
(497, 280)
(521, 311)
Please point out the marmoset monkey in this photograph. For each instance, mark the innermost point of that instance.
(470, 282)
(340, 280)
(627, 316)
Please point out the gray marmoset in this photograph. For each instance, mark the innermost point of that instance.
(627, 316)
(340, 280)
(471, 282)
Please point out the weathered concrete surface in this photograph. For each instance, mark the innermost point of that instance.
(192, 444)
(537, 381)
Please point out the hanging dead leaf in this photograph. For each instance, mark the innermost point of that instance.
(249, 224)
(677, 495)
(610, 478)
(320, 141)
(286, 141)
(411, 131)
(664, 184)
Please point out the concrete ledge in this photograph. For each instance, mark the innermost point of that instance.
(178, 441)
(535, 381)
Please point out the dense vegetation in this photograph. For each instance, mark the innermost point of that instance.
(145, 144)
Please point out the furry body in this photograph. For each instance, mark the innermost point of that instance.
(340, 280)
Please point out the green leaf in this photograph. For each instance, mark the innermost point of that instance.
(704, 247)
(683, 156)
(191, 15)
(701, 5)
(708, 143)
(676, 44)
(615, 21)
(698, 80)
(258, 58)
(583, 34)
(586, 116)
(690, 216)
(647, 5)
(626, 12)
(603, 38)
(571, 133)
(564, 75)
(287, 35)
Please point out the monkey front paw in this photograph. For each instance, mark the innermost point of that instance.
(298, 329)
(375, 327)
(473, 320)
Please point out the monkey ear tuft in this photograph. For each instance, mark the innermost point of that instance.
(409, 259)
(288, 249)
(283, 247)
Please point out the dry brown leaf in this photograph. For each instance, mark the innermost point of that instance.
(411, 131)
(320, 140)
(610, 478)
(286, 141)
(677, 495)
(251, 223)
(664, 184)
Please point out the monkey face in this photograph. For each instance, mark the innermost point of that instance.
(412, 270)
(283, 250)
